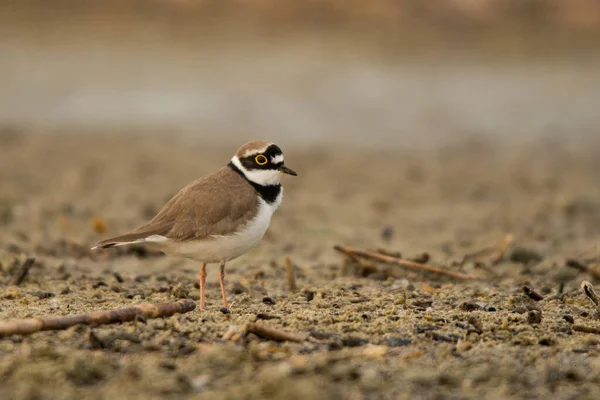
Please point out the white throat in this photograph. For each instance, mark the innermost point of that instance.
(263, 177)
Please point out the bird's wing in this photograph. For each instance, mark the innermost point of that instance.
(215, 205)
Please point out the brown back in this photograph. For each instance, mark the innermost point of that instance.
(216, 204)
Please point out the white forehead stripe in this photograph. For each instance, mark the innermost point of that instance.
(277, 159)
(255, 151)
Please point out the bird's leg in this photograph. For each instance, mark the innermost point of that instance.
(202, 286)
(222, 282)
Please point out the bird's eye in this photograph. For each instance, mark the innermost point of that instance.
(261, 160)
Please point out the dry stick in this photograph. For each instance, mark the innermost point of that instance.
(586, 329)
(290, 271)
(23, 271)
(27, 326)
(386, 252)
(273, 334)
(405, 263)
(588, 290)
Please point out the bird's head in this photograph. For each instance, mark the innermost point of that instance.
(261, 163)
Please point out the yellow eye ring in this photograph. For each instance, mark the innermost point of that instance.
(261, 160)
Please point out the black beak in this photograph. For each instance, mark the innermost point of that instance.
(286, 170)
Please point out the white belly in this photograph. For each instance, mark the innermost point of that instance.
(224, 248)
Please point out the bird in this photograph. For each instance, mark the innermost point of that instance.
(220, 216)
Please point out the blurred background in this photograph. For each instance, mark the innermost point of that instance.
(459, 117)
(357, 73)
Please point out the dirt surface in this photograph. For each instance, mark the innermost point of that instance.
(372, 331)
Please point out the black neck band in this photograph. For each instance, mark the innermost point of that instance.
(268, 193)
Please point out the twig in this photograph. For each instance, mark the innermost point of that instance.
(233, 334)
(290, 271)
(508, 239)
(532, 294)
(267, 316)
(497, 252)
(386, 252)
(588, 289)
(273, 334)
(573, 263)
(586, 329)
(27, 326)
(23, 271)
(398, 261)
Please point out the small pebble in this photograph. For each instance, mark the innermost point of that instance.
(463, 345)
(569, 318)
(468, 306)
(268, 300)
(397, 342)
(387, 233)
(534, 317)
(118, 277)
(522, 255)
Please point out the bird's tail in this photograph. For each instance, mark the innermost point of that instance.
(117, 241)
(130, 238)
(152, 234)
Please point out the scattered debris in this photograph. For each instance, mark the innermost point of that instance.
(290, 272)
(578, 265)
(99, 284)
(397, 342)
(525, 256)
(442, 338)
(470, 306)
(233, 334)
(387, 233)
(98, 225)
(321, 335)
(118, 277)
(352, 341)
(532, 294)
(547, 341)
(239, 288)
(23, 271)
(569, 318)
(359, 300)
(463, 345)
(272, 333)
(504, 246)
(106, 342)
(588, 290)
(586, 329)
(309, 294)
(180, 291)
(267, 316)
(421, 258)
(269, 301)
(496, 253)
(389, 253)
(534, 316)
(476, 323)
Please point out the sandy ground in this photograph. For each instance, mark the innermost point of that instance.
(373, 331)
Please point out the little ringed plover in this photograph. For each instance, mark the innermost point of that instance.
(220, 216)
